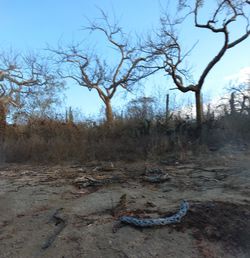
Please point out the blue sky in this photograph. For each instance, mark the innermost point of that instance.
(31, 24)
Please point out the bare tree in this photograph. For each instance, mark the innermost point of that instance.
(141, 108)
(89, 70)
(23, 80)
(239, 101)
(169, 51)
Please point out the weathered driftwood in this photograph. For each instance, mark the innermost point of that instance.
(149, 222)
(155, 175)
(86, 181)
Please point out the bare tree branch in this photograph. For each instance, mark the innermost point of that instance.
(23, 78)
(95, 73)
(168, 51)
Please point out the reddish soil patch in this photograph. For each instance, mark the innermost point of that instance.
(228, 223)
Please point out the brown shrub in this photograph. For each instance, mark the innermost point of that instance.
(48, 140)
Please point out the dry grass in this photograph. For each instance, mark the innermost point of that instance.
(47, 140)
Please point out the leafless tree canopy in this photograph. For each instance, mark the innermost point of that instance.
(23, 78)
(89, 70)
(240, 98)
(166, 45)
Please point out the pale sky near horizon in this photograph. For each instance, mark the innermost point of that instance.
(30, 24)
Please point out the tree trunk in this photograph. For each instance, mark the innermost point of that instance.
(2, 129)
(2, 120)
(109, 111)
(199, 108)
(232, 104)
(167, 106)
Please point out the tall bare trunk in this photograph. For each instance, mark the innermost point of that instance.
(2, 120)
(199, 108)
(232, 104)
(2, 129)
(109, 111)
(167, 106)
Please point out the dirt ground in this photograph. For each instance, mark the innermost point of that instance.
(72, 210)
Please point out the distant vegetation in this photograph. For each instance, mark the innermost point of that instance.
(139, 134)
(31, 91)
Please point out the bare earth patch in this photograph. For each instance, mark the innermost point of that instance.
(71, 210)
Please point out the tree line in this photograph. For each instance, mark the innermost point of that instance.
(28, 82)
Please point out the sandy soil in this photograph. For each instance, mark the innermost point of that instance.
(47, 211)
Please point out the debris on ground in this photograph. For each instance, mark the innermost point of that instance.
(155, 175)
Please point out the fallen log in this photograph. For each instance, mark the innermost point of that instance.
(60, 224)
(150, 222)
